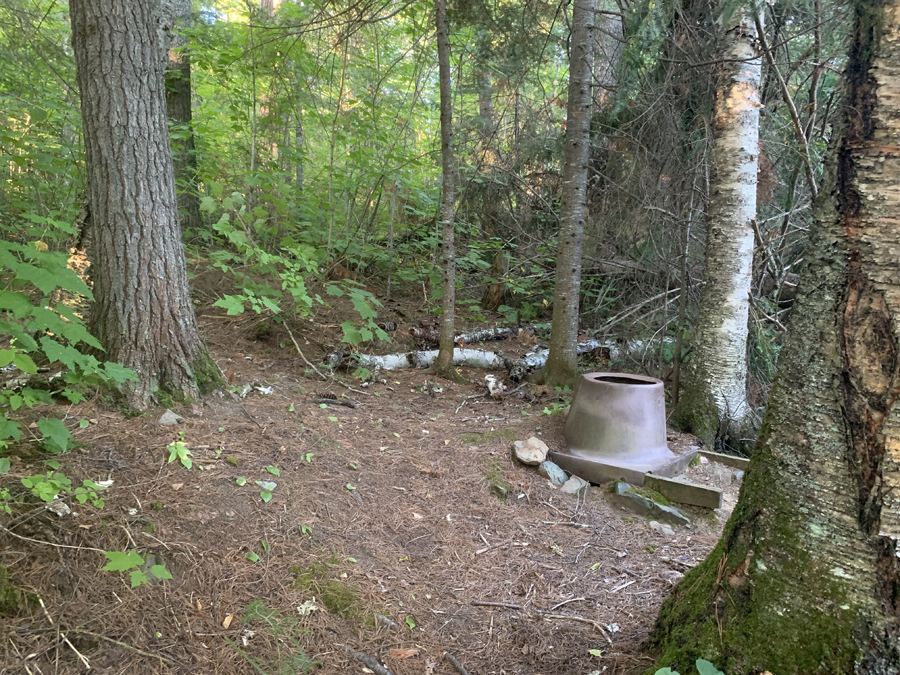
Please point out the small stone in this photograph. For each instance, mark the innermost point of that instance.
(531, 452)
(662, 528)
(169, 419)
(549, 470)
(58, 507)
(669, 514)
(574, 485)
(635, 503)
(721, 475)
(622, 487)
(704, 460)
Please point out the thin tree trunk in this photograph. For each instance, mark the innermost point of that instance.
(444, 364)
(298, 149)
(713, 404)
(562, 364)
(142, 313)
(334, 121)
(805, 579)
(179, 106)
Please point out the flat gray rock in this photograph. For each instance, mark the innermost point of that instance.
(531, 452)
(551, 471)
(574, 485)
(169, 419)
(644, 506)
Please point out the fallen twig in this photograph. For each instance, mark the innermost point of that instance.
(81, 657)
(506, 605)
(333, 401)
(566, 602)
(368, 661)
(316, 370)
(385, 621)
(546, 614)
(125, 645)
(456, 664)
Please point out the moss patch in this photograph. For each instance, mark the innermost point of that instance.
(652, 494)
(206, 373)
(337, 598)
(729, 608)
(697, 414)
(499, 486)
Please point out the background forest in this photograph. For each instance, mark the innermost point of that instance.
(309, 151)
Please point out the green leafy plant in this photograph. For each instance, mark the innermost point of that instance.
(133, 562)
(180, 451)
(704, 667)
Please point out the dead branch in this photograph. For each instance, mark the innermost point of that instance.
(456, 664)
(316, 370)
(368, 661)
(333, 401)
(546, 614)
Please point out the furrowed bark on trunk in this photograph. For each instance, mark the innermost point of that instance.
(562, 364)
(805, 578)
(178, 105)
(713, 404)
(142, 312)
(443, 365)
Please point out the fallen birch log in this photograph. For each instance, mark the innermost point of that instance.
(471, 358)
(428, 337)
(517, 369)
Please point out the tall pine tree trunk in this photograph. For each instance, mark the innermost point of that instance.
(443, 365)
(806, 577)
(178, 105)
(713, 404)
(142, 313)
(562, 363)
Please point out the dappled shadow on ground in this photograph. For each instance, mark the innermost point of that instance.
(391, 528)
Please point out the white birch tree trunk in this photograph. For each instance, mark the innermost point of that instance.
(562, 364)
(714, 402)
(805, 579)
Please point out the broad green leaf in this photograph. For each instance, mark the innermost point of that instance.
(138, 577)
(24, 363)
(231, 303)
(706, 668)
(55, 435)
(122, 561)
(17, 303)
(9, 429)
(160, 572)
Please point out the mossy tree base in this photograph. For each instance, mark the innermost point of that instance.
(805, 580)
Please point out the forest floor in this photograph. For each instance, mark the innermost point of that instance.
(383, 533)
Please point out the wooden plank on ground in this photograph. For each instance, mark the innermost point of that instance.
(683, 492)
(728, 460)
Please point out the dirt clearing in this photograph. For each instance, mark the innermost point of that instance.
(400, 529)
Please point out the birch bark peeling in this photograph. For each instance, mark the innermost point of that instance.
(562, 363)
(805, 578)
(714, 403)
